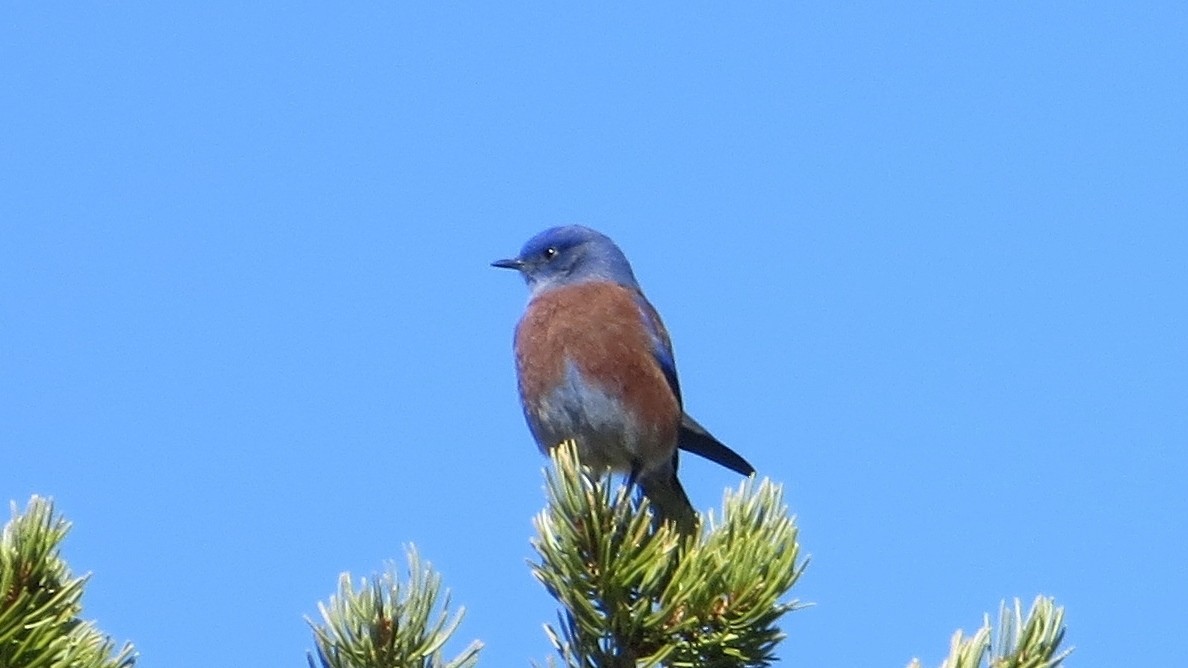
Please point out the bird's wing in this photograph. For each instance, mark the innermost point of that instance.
(692, 437)
(661, 344)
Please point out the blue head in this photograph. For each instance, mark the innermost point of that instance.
(562, 256)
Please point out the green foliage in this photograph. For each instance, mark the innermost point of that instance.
(635, 595)
(632, 594)
(1033, 642)
(383, 624)
(40, 601)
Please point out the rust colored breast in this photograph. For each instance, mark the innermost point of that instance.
(598, 330)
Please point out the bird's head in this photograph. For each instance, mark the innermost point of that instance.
(569, 255)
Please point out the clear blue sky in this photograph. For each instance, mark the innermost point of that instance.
(922, 264)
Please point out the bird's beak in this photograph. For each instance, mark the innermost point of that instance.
(512, 263)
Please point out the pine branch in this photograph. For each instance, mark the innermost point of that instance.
(635, 595)
(1033, 642)
(631, 594)
(384, 624)
(40, 601)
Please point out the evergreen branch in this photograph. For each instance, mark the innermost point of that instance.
(636, 595)
(1033, 642)
(40, 601)
(384, 625)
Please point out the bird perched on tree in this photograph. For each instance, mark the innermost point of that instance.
(595, 365)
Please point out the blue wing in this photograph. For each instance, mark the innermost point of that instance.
(692, 436)
(661, 344)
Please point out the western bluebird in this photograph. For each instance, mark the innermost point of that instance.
(595, 364)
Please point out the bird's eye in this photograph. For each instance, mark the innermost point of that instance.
(550, 253)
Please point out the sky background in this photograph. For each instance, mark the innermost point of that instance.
(923, 264)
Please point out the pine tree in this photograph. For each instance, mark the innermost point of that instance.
(40, 601)
(631, 593)
(635, 595)
(382, 624)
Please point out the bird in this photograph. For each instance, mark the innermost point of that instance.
(594, 364)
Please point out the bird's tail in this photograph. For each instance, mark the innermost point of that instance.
(668, 499)
(696, 439)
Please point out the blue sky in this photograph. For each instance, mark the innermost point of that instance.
(922, 264)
